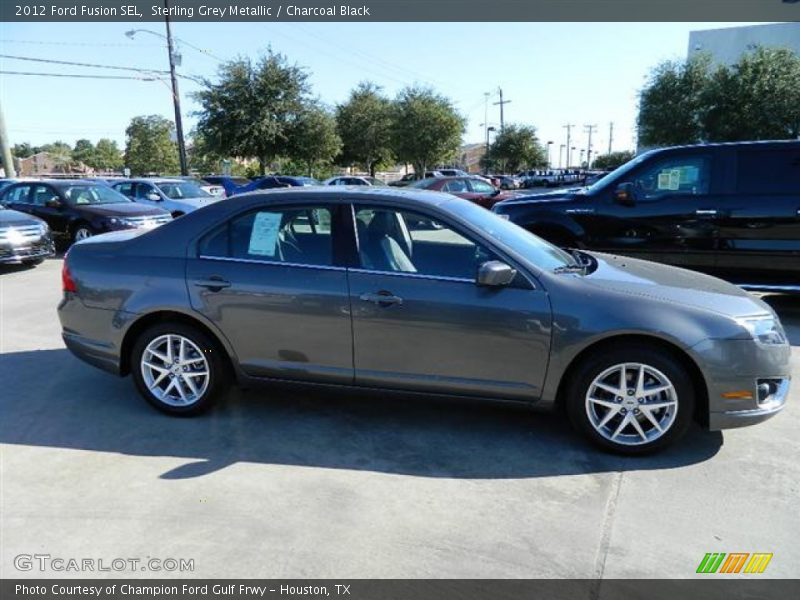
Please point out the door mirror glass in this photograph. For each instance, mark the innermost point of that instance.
(154, 197)
(53, 202)
(625, 195)
(495, 273)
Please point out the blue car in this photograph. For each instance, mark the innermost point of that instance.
(229, 183)
(277, 181)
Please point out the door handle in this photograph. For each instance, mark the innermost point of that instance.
(214, 284)
(706, 212)
(382, 298)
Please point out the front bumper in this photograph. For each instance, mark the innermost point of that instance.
(35, 251)
(732, 368)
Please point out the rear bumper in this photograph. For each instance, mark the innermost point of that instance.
(93, 352)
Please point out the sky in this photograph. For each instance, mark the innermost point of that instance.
(553, 73)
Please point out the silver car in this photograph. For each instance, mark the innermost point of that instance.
(420, 292)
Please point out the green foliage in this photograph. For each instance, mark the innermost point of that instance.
(24, 150)
(83, 151)
(516, 147)
(106, 156)
(60, 152)
(315, 141)
(364, 124)
(609, 162)
(427, 128)
(252, 110)
(758, 98)
(149, 147)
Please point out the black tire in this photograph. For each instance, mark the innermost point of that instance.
(218, 377)
(75, 231)
(578, 407)
(177, 214)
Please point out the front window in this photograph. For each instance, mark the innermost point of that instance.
(456, 186)
(183, 189)
(481, 187)
(679, 175)
(291, 235)
(92, 194)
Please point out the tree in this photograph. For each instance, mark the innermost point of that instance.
(83, 151)
(426, 128)
(609, 162)
(149, 147)
(364, 124)
(516, 148)
(24, 150)
(252, 110)
(758, 98)
(671, 102)
(314, 139)
(106, 156)
(60, 152)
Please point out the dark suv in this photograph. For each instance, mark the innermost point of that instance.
(731, 210)
(77, 209)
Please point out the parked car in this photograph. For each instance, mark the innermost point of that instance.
(346, 288)
(452, 173)
(229, 183)
(24, 239)
(731, 210)
(213, 189)
(76, 209)
(470, 188)
(4, 183)
(176, 196)
(410, 178)
(270, 182)
(352, 180)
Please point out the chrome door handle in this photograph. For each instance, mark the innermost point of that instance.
(706, 212)
(382, 298)
(212, 283)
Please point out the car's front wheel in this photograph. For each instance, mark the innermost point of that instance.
(178, 369)
(634, 399)
(81, 232)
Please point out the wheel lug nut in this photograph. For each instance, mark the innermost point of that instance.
(619, 398)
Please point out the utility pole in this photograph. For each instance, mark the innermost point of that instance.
(589, 129)
(610, 135)
(501, 103)
(568, 127)
(5, 149)
(176, 99)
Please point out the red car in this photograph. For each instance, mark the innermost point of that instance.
(470, 188)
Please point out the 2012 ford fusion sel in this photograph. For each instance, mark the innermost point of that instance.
(417, 291)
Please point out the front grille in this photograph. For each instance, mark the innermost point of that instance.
(18, 235)
(149, 220)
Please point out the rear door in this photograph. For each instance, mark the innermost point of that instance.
(420, 321)
(270, 279)
(759, 230)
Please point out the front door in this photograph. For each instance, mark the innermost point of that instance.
(420, 322)
(268, 280)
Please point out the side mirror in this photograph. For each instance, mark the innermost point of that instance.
(625, 194)
(154, 197)
(53, 202)
(495, 274)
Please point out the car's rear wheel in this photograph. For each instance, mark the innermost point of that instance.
(178, 369)
(634, 399)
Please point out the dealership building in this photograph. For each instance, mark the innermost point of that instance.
(727, 45)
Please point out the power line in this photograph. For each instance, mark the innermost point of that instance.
(86, 44)
(82, 76)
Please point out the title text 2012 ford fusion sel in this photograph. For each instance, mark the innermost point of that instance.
(420, 292)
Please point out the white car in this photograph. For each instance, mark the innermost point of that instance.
(177, 196)
(351, 180)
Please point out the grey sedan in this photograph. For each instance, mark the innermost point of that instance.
(419, 292)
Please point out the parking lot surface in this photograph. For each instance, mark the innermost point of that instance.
(283, 484)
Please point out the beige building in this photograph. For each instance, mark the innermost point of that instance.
(727, 45)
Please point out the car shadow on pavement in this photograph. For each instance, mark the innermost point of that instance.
(51, 399)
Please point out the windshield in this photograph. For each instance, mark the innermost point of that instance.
(308, 181)
(618, 173)
(539, 252)
(182, 189)
(374, 181)
(93, 194)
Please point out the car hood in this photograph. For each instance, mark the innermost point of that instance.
(672, 284)
(9, 218)
(121, 209)
(195, 202)
(523, 197)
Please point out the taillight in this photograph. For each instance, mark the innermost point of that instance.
(67, 282)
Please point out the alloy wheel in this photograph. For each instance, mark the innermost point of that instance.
(631, 404)
(82, 233)
(175, 370)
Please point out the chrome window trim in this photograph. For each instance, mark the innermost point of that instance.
(275, 263)
(413, 275)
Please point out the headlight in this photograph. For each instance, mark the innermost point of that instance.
(765, 330)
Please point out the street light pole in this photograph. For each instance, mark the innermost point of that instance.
(176, 100)
(549, 146)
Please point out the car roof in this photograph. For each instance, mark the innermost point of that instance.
(747, 144)
(354, 193)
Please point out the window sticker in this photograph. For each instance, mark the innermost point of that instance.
(264, 237)
(674, 179)
(663, 180)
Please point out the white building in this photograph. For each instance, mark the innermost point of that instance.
(727, 45)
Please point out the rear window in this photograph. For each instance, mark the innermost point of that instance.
(768, 171)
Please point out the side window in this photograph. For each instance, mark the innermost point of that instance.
(142, 189)
(18, 195)
(408, 242)
(291, 235)
(125, 189)
(688, 176)
(480, 187)
(768, 172)
(455, 186)
(41, 194)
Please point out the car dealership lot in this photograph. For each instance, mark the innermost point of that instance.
(279, 483)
